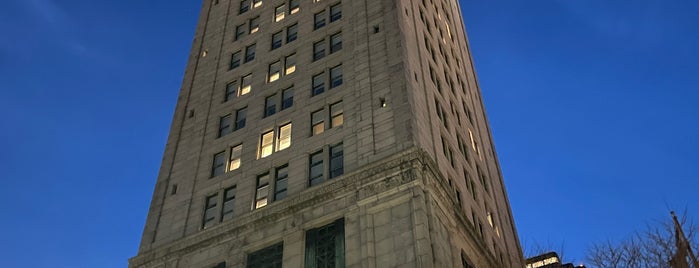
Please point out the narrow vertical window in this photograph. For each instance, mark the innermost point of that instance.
(279, 13)
(276, 40)
(290, 64)
(315, 167)
(336, 76)
(325, 246)
(262, 191)
(318, 50)
(319, 20)
(292, 33)
(224, 125)
(294, 6)
(336, 161)
(274, 71)
(244, 6)
(280, 182)
(317, 125)
(245, 84)
(240, 118)
(336, 115)
(218, 166)
(266, 144)
(235, 60)
(254, 25)
(335, 42)
(287, 98)
(209, 217)
(270, 105)
(239, 32)
(228, 203)
(250, 53)
(284, 138)
(318, 84)
(231, 91)
(234, 162)
(335, 12)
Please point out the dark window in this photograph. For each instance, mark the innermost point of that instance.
(336, 161)
(315, 168)
(318, 84)
(465, 263)
(231, 91)
(292, 33)
(335, 12)
(269, 257)
(318, 50)
(224, 125)
(262, 192)
(235, 60)
(239, 32)
(228, 203)
(270, 105)
(287, 98)
(319, 20)
(325, 246)
(276, 40)
(335, 42)
(250, 53)
(244, 6)
(223, 264)
(240, 116)
(335, 76)
(280, 182)
(219, 164)
(210, 210)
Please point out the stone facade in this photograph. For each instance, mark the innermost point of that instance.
(419, 184)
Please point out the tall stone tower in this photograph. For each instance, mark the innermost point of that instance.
(329, 133)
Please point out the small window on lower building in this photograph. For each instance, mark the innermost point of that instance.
(269, 257)
(325, 246)
(262, 192)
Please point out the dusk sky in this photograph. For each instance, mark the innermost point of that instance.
(593, 104)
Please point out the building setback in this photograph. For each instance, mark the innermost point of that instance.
(328, 133)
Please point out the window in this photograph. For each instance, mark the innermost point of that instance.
(318, 50)
(274, 71)
(335, 12)
(219, 164)
(292, 33)
(223, 264)
(294, 6)
(228, 203)
(234, 162)
(336, 76)
(465, 263)
(318, 84)
(290, 64)
(279, 13)
(231, 91)
(266, 144)
(280, 182)
(287, 98)
(270, 105)
(262, 191)
(224, 125)
(249, 53)
(244, 6)
(336, 161)
(209, 217)
(269, 257)
(254, 25)
(270, 143)
(256, 3)
(319, 20)
(235, 60)
(317, 122)
(315, 163)
(284, 138)
(246, 85)
(240, 116)
(335, 42)
(336, 117)
(239, 32)
(276, 40)
(325, 246)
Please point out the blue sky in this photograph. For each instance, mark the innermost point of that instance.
(593, 107)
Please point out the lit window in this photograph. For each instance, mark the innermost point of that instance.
(317, 122)
(270, 257)
(244, 6)
(256, 3)
(239, 32)
(279, 13)
(209, 216)
(254, 25)
(335, 42)
(236, 153)
(262, 190)
(277, 40)
(235, 60)
(284, 138)
(294, 6)
(250, 53)
(319, 20)
(315, 168)
(336, 161)
(318, 50)
(266, 144)
(274, 71)
(281, 182)
(224, 125)
(318, 84)
(290, 64)
(336, 117)
(228, 203)
(246, 84)
(231, 91)
(240, 118)
(336, 76)
(287, 98)
(270, 105)
(292, 33)
(325, 246)
(218, 166)
(335, 12)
